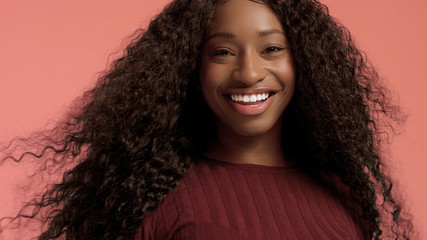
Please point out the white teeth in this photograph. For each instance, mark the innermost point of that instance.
(249, 98)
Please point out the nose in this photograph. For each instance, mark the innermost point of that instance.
(249, 69)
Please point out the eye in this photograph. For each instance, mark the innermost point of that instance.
(221, 52)
(273, 49)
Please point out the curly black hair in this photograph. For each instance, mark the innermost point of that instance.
(137, 132)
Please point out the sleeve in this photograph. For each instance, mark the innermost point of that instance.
(164, 222)
(160, 224)
(360, 225)
(146, 231)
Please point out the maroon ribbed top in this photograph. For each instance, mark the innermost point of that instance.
(218, 200)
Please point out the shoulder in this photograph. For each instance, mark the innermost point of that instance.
(165, 220)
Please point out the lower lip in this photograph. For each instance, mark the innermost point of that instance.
(251, 110)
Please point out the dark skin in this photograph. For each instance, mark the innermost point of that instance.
(247, 78)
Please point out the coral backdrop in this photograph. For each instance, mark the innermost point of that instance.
(51, 51)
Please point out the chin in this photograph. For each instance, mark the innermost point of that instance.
(253, 129)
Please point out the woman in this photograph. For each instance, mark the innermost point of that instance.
(228, 120)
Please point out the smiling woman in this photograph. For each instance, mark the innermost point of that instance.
(229, 119)
(247, 78)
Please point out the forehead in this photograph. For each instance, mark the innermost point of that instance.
(244, 14)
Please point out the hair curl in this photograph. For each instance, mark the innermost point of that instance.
(137, 133)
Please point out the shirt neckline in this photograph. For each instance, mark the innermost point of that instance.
(245, 166)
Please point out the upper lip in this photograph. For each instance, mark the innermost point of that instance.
(248, 91)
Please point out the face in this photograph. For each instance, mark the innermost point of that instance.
(247, 76)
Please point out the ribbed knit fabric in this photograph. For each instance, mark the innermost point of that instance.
(218, 200)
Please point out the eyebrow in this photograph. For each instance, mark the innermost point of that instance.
(270, 31)
(231, 35)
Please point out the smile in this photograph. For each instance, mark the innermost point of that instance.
(250, 98)
(251, 103)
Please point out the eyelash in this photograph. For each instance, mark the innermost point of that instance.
(225, 52)
(221, 52)
(273, 49)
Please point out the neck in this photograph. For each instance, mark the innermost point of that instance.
(263, 149)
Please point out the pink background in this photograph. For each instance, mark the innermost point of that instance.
(52, 50)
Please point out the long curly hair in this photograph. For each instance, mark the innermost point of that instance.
(145, 122)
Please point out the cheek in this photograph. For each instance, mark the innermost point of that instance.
(208, 86)
(212, 77)
(285, 72)
(289, 82)
(285, 75)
